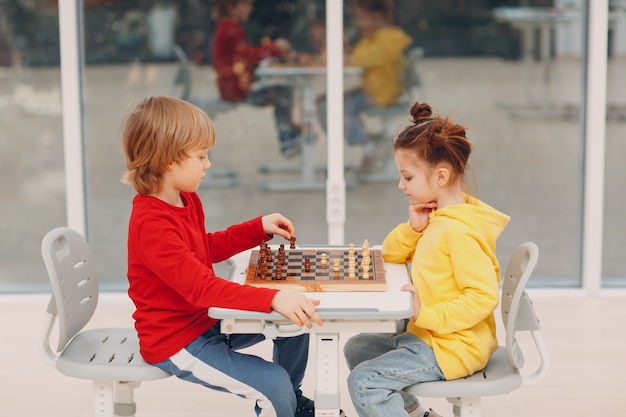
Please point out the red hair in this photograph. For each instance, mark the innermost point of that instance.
(435, 139)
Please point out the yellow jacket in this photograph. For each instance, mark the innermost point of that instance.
(382, 59)
(454, 267)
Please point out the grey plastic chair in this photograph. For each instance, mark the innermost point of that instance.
(108, 356)
(212, 105)
(503, 371)
(392, 116)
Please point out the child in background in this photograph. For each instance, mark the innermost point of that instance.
(380, 52)
(313, 52)
(234, 61)
(450, 242)
(170, 267)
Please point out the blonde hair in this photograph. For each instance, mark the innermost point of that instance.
(160, 131)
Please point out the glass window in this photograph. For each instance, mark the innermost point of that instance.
(136, 49)
(511, 72)
(614, 263)
(31, 141)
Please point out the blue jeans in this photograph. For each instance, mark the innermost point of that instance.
(212, 361)
(381, 366)
(354, 103)
(281, 97)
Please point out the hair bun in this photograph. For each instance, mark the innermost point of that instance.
(421, 112)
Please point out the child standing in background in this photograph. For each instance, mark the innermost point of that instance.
(234, 61)
(380, 52)
(450, 242)
(170, 268)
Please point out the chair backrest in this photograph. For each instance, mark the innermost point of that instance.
(516, 307)
(72, 272)
(410, 78)
(182, 79)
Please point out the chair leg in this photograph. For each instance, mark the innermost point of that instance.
(124, 405)
(466, 406)
(388, 172)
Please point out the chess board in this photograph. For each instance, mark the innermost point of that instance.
(299, 275)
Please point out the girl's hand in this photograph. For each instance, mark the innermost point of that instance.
(419, 215)
(298, 308)
(277, 224)
(417, 303)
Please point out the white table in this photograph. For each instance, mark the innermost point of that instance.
(342, 312)
(302, 79)
(530, 20)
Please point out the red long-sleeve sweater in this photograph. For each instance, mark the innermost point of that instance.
(171, 277)
(234, 59)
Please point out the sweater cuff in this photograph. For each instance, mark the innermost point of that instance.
(409, 230)
(264, 237)
(426, 318)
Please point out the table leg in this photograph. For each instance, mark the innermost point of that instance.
(327, 399)
(307, 167)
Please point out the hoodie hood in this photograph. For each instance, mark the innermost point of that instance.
(478, 216)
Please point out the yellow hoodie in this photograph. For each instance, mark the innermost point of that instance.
(454, 267)
(382, 59)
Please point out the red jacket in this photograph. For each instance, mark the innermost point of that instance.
(171, 277)
(234, 59)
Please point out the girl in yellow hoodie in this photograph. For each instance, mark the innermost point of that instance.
(380, 53)
(450, 242)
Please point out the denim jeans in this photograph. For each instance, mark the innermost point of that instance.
(381, 366)
(281, 97)
(212, 361)
(354, 103)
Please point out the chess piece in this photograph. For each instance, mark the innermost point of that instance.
(307, 264)
(268, 256)
(365, 263)
(351, 271)
(336, 266)
(292, 242)
(366, 272)
(324, 260)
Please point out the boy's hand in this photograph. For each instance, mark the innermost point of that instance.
(277, 224)
(419, 215)
(297, 307)
(417, 303)
(283, 44)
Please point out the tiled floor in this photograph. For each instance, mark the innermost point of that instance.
(585, 338)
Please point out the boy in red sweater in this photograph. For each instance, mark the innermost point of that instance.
(234, 61)
(170, 267)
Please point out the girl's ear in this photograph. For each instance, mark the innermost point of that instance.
(443, 176)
